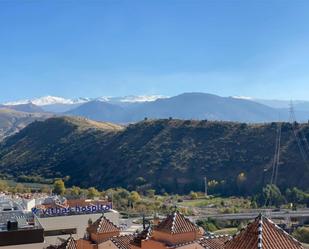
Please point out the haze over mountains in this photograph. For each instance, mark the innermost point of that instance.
(130, 109)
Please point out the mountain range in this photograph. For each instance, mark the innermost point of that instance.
(168, 154)
(47, 101)
(131, 109)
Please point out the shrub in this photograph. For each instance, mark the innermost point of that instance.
(302, 234)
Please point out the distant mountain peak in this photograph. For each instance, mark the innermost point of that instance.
(52, 100)
(48, 100)
(137, 98)
(243, 97)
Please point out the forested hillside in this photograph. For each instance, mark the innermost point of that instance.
(168, 155)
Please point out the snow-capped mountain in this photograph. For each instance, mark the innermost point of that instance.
(134, 99)
(60, 104)
(52, 100)
(48, 100)
(242, 97)
(142, 98)
(132, 108)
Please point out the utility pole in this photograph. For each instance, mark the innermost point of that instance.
(205, 183)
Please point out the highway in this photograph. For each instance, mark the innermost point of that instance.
(298, 214)
(286, 214)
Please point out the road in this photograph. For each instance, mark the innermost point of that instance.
(249, 215)
(298, 214)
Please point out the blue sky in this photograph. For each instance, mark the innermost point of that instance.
(113, 48)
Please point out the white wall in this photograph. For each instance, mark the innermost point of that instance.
(29, 246)
(80, 222)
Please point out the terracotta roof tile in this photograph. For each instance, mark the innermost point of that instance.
(214, 242)
(183, 244)
(122, 242)
(176, 223)
(70, 243)
(262, 233)
(103, 225)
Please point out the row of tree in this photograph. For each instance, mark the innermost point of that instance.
(272, 196)
(122, 198)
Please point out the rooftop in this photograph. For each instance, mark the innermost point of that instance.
(214, 242)
(122, 242)
(70, 243)
(103, 225)
(262, 233)
(176, 223)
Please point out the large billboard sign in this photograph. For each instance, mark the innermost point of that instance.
(59, 211)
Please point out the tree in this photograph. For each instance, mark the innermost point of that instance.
(212, 186)
(20, 188)
(123, 193)
(272, 195)
(93, 192)
(297, 196)
(302, 234)
(119, 196)
(140, 181)
(134, 197)
(45, 189)
(59, 187)
(193, 195)
(75, 192)
(241, 178)
(240, 181)
(151, 193)
(3, 185)
(254, 204)
(208, 224)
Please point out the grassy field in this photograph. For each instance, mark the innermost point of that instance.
(34, 186)
(218, 202)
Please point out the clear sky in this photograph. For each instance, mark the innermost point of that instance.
(113, 48)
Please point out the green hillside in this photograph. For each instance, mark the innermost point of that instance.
(168, 155)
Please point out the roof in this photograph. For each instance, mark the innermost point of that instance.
(183, 244)
(214, 242)
(70, 243)
(122, 242)
(103, 225)
(10, 215)
(262, 233)
(144, 235)
(176, 223)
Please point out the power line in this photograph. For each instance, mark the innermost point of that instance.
(295, 133)
(278, 154)
(300, 139)
(206, 186)
(275, 164)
